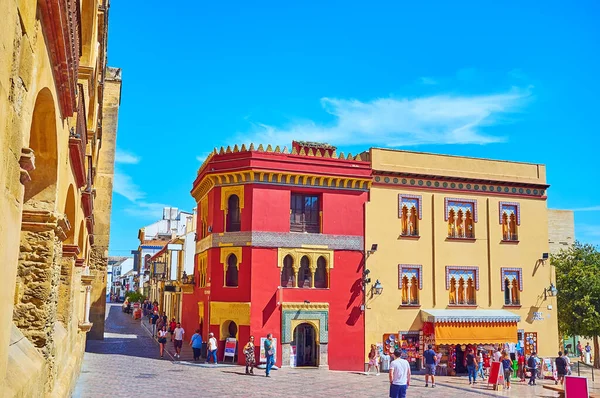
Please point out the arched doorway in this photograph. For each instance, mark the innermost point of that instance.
(305, 340)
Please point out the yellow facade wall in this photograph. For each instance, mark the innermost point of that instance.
(433, 251)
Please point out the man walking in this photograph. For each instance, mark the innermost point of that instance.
(532, 364)
(430, 364)
(399, 376)
(269, 353)
(178, 334)
(561, 369)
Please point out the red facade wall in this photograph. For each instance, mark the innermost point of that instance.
(267, 208)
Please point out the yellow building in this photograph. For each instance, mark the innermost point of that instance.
(460, 255)
(58, 110)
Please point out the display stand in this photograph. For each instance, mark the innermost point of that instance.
(496, 378)
(230, 345)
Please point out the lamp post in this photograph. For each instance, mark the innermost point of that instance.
(377, 288)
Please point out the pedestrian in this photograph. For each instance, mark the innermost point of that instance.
(212, 348)
(172, 327)
(508, 369)
(480, 365)
(580, 351)
(153, 320)
(162, 340)
(486, 363)
(568, 361)
(561, 369)
(588, 353)
(269, 353)
(430, 364)
(160, 324)
(521, 362)
(497, 355)
(373, 360)
(399, 376)
(145, 307)
(196, 343)
(178, 334)
(249, 353)
(532, 365)
(471, 367)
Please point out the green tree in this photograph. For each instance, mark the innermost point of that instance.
(134, 296)
(578, 284)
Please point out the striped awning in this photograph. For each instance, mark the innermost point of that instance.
(469, 316)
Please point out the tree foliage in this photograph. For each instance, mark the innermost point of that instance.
(134, 297)
(578, 284)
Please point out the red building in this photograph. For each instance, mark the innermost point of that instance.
(280, 243)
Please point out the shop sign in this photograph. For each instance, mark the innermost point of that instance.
(538, 316)
(230, 344)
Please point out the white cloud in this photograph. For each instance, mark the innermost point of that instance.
(428, 81)
(124, 186)
(146, 210)
(591, 208)
(126, 157)
(394, 122)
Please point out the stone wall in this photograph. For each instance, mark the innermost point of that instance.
(561, 229)
(103, 205)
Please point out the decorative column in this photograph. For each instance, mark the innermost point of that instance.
(296, 268)
(409, 291)
(86, 281)
(65, 290)
(313, 270)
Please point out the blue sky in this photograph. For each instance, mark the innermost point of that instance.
(504, 80)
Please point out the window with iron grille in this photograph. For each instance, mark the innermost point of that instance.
(304, 214)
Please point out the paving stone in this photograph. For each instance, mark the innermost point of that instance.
(127, 364)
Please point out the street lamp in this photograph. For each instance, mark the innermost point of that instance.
(184, 277)
(551, 291)
(377, 288)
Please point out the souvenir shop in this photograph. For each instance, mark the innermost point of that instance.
(409, 343)
(455, 332)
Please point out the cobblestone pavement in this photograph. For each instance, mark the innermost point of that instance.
(127, 364)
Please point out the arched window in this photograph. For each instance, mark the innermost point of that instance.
(413, 226)
(469, 225)
(233, 214)
(460, 224)
(451, 224)
(505, 227)
(453, 299)
(404, 220)
(321, 273)
(513, 227)
(470, 299)
(304, 274)
(516, 300)
(511, 290)
(231, 276)
(288, 278)
(405, 293)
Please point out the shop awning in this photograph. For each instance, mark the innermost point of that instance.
(472, 326)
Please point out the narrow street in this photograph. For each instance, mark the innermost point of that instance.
(127, 364)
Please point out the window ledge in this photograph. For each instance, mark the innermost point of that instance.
(410, 237)
(462, 305)
(461, 239)
(231, 287)
(305, 288)
(410, 305)
(509, 242)
(511, 306)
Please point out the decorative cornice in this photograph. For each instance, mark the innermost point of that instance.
(281, 240)
(481, 187)
(257, 176)
(71, 251)
(80, 262)
(305, 306)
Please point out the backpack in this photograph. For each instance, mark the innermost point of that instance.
(531, 362)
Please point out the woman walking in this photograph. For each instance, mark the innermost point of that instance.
(508, 369)
(373, 360)
(162, 340)
(196, 343)
(249, 353)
